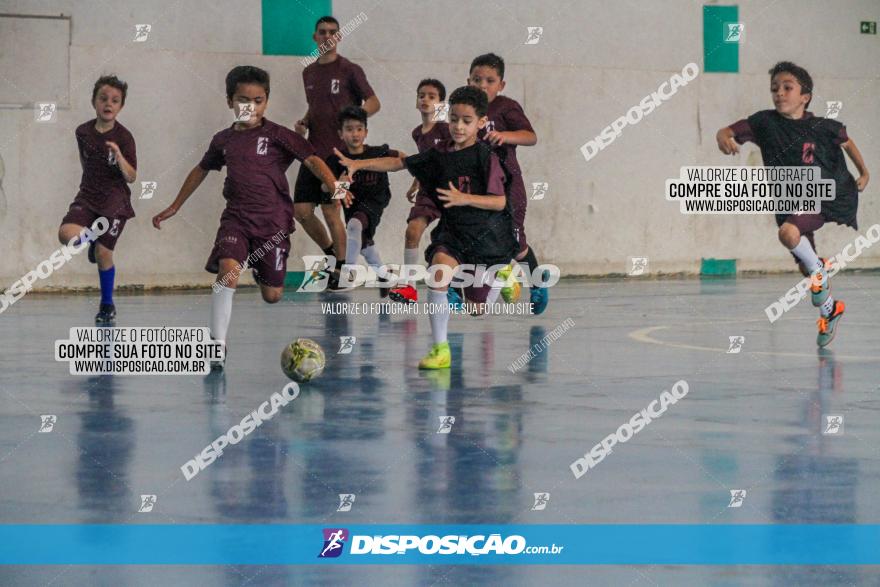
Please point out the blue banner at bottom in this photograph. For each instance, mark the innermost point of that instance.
(278, 544)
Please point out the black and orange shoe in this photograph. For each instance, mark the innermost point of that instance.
(828, 326)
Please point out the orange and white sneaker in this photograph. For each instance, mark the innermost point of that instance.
(820, 284)
(828, 326)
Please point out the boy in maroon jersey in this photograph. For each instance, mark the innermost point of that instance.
(258, 219)
(109, 163)
(331, 83)
(429, 93)
(506, 128)
(791, 136)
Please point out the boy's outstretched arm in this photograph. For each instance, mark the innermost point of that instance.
(849, 147)
(523, 138)
(726, 141)
(453, 197)
(317, 166)
(190, 184)
(378, 164)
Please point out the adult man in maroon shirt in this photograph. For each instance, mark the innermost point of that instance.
(331, 83)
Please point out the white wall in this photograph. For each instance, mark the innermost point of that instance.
(595, 61)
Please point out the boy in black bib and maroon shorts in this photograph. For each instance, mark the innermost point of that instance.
(790, 136)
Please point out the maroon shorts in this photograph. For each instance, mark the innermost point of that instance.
(84, 216)
(807, 224)
(424, 207)
(265, 256)
(476, 294)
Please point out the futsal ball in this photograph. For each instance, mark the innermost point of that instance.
(302, 360)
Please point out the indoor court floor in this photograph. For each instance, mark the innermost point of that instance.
(752, 420)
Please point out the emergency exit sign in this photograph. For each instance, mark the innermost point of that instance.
(869, 27)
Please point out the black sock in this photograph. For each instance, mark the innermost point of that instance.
(531, 262)
(330, 253)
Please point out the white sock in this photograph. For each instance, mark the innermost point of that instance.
(826, 308)
(410, 257)
(221, 311)
(493, 294)
(374, 260)
(353, 232)
(439, 315)
(806, 255)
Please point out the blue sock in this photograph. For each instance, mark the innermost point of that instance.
(107, 276)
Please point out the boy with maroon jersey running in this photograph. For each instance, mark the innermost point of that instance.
(331, 83)
(790, 136)
(258, 219)
(109, 163)
(507, 127)
(428, 134)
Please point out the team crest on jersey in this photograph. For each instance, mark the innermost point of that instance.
(262, 145)
(334, 86)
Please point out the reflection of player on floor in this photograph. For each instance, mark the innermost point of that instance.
(476, 226)
(791, 136)
(425, 210)
(109, 163)
(370, 189)
(258, 219)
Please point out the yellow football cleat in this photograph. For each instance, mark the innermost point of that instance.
(512, 288)
(440, 357)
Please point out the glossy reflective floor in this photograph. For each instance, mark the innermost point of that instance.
(753, 420)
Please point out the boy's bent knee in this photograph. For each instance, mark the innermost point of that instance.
(789, 235)
(413, 234)
(271, 296)
(303, 212)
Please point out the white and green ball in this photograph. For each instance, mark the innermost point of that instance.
(302, 360)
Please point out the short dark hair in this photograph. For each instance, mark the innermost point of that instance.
(351, 113)
(489, 60)
(113, 82)
(799, 73)
(434, 83)
(246, 74)
(473, 96)
(329, 19)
